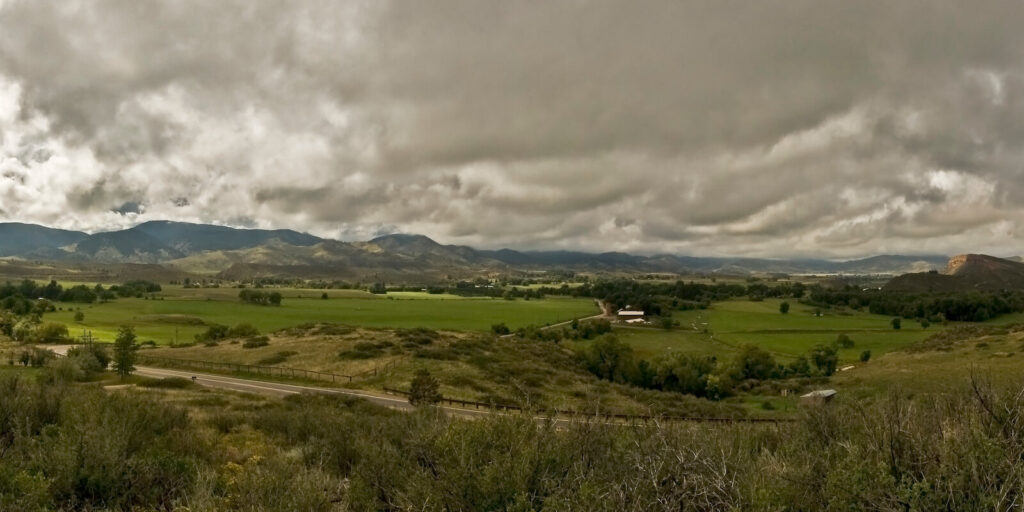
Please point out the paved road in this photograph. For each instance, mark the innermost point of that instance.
(277, 389)
(256, 386)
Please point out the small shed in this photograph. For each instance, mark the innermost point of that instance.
(818, 397)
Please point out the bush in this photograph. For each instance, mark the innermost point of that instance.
(424, 389)
(91, 358)
(277, 358)
(259, 341)
(213, 333)
(844, 341)
(243, 331)
(502, 329)
(865, 356)
(50, 332)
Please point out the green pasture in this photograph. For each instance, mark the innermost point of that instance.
(162, 320)
(724, 327)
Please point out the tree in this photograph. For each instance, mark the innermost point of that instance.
(79, 316)
(124, 351)
(609, 358)
(425, 390)
(275, 298)
(844, 341)
(825, 359)
(925, 323)
(864, 356)
(754, 363)
(784, 308)
(799, 367)
(896, 323)
(323, 295)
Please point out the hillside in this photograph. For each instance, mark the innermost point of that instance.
(964, 272)
(17, 238)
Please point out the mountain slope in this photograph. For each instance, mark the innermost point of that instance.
(191, 238)
(965, 272)
(17, 238)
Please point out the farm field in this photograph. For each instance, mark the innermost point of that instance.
(185, 312)
(731, 324)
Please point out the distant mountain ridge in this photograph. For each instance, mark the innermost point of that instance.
(212, 249)
(965, 272)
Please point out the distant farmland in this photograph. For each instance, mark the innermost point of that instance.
(185, 313)
(731, 324)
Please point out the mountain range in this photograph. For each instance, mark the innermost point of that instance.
(244, 253)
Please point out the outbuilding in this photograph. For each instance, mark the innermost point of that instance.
(631, 315)
(818, 397)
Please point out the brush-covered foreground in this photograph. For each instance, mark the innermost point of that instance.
(80, 447)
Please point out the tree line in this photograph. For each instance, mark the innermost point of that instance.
(705, 376)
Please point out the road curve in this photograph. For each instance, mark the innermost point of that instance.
(278, 389)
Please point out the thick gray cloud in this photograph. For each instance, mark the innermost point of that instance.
(775, 128)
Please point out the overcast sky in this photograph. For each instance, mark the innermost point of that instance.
(746, 128)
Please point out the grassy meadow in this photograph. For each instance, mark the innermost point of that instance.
(184, 312)
(942, 368)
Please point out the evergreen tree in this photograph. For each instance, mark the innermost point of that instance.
(425, 389)
(124, 351)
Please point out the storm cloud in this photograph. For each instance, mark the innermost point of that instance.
(774, 128)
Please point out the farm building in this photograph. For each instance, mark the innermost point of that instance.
(630, 316)
(818, 397)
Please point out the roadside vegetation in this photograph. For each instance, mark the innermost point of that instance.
(78, 447)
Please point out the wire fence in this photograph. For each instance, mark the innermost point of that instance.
(624, 417)
(260, 370)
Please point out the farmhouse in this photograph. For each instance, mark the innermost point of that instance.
(631, 316)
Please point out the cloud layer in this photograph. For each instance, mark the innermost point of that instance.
(776, 128)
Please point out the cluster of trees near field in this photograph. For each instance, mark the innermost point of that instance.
(705, 376)
(663, 298)
(975, 306)
(91, 449)
(260, 297)
(21, 297)
(23, 304)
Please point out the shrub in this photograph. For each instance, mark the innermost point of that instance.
(844, 341)
(243, 330)
(259, 341)
(90, 358)
(865, 356)
(50, 332)
(424, 389)
(277, 358)
(502, 329)
(213, 333)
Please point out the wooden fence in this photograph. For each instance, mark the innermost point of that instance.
(624, 417)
